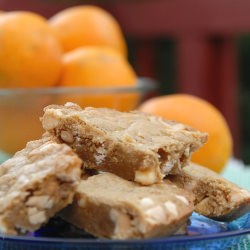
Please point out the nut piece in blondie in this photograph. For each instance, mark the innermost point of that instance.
(35, 184)
(108, 206)
(215, 197)
(135, 146)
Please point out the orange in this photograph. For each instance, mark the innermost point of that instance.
(30, 54)
(88, 25)
(99, 68)
(95, 66)
(201, 115)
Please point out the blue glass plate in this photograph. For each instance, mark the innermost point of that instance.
(203, 233)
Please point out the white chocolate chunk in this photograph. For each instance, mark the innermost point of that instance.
(147, 202)
(156, 214)
(49, 122)
(171, 207)
(182, 198)
(37, 218)
(67, 136)
(145, 177)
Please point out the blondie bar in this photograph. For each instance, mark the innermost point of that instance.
(35, 184)
(108, 206)
(215, 197)
(133, 145)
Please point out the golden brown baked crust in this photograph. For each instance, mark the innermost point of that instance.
(35, 184)
(133, 145)
(108, 206)
(215, 197)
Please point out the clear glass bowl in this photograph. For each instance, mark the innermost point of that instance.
(20, 109)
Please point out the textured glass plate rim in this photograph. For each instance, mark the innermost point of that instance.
(167, 240)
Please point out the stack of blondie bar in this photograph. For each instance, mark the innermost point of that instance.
(118, 175)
